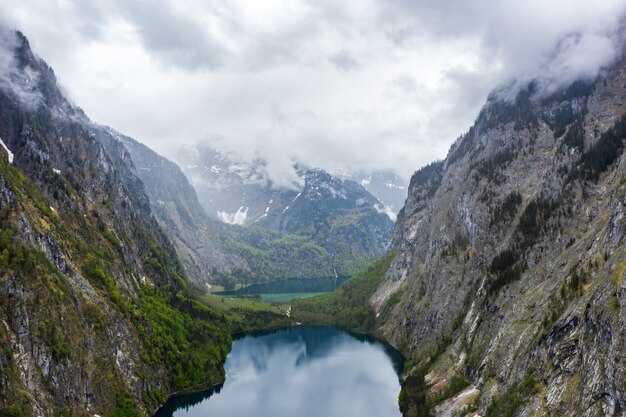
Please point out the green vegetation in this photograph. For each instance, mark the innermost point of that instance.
(183, 336)
(602, 154)
(389, 305)
(459, 244)
(563, 116)
(125, 406)
(518, 112)
(14, 410)
(23, 186)
(575, 137)
(248, 314)
(514, 397)
(507, 210)
(507, 268)
(412, 399)
(490, 167)
(509, 265)
(543, 215)
(15, 256)
(456, 384)
(428, 178)
(348, 306)
(578, 89)
(178, 334)
(274, 256)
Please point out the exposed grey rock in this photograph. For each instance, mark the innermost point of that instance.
(569, 335)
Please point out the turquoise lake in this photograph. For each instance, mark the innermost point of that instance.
(285, 290)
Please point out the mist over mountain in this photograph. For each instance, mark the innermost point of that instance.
(330, 228)
(380, 86)
(237, 191)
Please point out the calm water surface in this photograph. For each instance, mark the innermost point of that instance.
(288, 289)
(301, 372)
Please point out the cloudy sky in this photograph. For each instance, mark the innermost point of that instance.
(358, 84)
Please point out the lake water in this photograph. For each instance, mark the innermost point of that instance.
(301, 372)
(288, 289)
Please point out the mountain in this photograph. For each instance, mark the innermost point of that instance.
(505, 286)
(387, 187)
(97, 315)
(239, 192)
(173, 200)
(214, 252)
(229, 189)
(337, 218)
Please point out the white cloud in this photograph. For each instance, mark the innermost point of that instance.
(361, 84)
(20, 83)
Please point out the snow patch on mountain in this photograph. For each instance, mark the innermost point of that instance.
(239, 217)
(9, 153)
(292, 201)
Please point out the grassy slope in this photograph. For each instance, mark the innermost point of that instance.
(348, 306)
(274, 256)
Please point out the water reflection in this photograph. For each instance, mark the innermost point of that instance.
(301, 372)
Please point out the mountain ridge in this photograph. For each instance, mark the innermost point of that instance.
(505, 286)
(505, 220)
(94, 301)
(228, 185)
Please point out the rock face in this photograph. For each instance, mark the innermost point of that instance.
(81, 260)
(339, 215)
(387, 187)
(330, 227)
(198, 240)
(511, 253)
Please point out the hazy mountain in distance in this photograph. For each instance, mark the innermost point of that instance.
(240, 192)
(389, 188)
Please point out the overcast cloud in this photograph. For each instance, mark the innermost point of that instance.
(357, 84)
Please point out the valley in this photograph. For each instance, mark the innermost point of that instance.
(493, 285)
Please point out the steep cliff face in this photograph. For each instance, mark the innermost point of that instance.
(198, 240)
(93, 304)
(511, 255)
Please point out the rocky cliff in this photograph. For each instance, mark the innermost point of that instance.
(508, 281)
(96, 315)
(198, 240)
